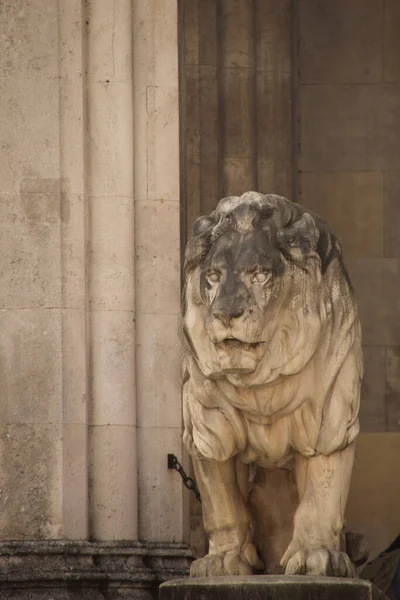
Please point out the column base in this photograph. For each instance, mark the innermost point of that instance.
(67, 570)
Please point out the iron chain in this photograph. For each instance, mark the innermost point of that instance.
(173, 463)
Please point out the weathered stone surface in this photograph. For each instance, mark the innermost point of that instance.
(269, 322)
(269, 588)
(236, 22)
(273, 31)
(391, 41)
(341, 42)
(393, 388)
(372, 508)
(377, 285)
(349, 127)
(352, 203)
(373, 393)
(391, 214)
(59, 570)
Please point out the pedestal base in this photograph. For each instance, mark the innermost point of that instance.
(270, 587)
(58, 570)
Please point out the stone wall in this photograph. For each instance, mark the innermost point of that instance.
(348, 111)
(90, 263)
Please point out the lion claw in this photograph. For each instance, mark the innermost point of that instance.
(320, 561)
(220, 564)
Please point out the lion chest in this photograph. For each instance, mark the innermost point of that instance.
(266, 404)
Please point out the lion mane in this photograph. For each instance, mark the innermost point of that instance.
(270, 334)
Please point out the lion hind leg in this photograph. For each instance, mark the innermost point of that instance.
(273, 502)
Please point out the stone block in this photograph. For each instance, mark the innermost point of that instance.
(269, 587)
(160, 489)
(238, 110)
(377, 286)
(29, 130)
(71, 31)
(155, 64)
(30, 386)
(202, 187)
(274, 117)
(75, 481)
(208, 32)
(29, 39)
(275, 177)
(273, 22)
(157, 271)
(30, 248)
(110, 38)
(352, 204)
(113, 368)
(373, 402)
(192, 109)
(111, 253)
(201, 110)
(110, 147)
(200, 37)
(391, 41)
(158, 362)
(30, 481)
(236, 26)
(349, 127)
(191, 191)
(72, 137)
(73, 251)
(341, 41)
(393, 388)
(209, 183)
(79, 570)
(391, 213)
(162, 145)
(191, 26)
(372, 506)
(74, 366)
(209, 110)
(238, 176)
(113, 484)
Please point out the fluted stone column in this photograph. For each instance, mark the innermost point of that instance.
(157, 233)
(44, 400)
(90, 262)
(113, 465)
(237, 81)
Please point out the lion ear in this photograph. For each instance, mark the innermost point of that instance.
(202, 224)
(199, 244)
(302, 237)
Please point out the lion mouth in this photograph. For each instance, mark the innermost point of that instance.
(235, 344)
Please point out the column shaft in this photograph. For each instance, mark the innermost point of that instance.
(113, 468)
(157, 216)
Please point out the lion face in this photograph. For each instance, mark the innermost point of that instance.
(240, 280)
(247, 268)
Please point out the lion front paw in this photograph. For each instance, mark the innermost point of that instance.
(318, 561)
(227, 563)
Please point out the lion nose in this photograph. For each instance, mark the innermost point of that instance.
(225, 316)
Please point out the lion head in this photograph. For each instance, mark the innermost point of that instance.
(255, 301)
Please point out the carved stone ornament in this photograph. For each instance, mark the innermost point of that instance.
(271, 385)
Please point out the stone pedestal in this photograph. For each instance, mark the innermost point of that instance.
(270, 587)
(66, 570)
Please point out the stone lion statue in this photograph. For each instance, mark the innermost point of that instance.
(271, 385)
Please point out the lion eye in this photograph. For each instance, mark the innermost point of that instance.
(260, 277)
(213, 278)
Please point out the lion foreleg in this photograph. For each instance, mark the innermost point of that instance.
(226, 521)
(323, 484)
